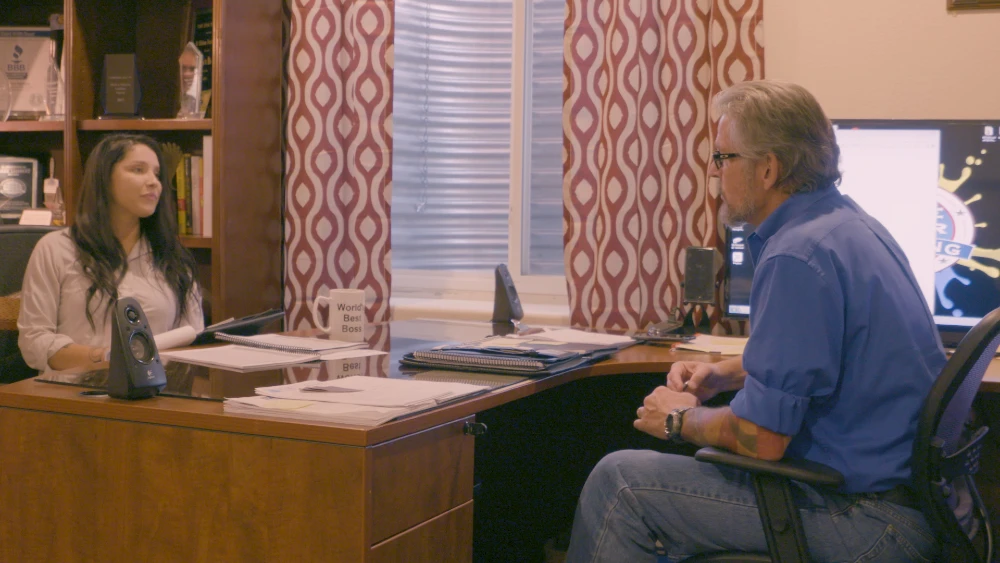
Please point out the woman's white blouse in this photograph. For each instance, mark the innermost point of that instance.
(54, 294)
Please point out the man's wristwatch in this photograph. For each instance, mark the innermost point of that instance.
(673, 424)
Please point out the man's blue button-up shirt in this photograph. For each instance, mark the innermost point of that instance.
(843, 349)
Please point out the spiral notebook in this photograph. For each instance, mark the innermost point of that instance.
(239, 358)
(511, 355)
(286, 343)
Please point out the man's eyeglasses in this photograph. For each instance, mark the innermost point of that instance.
(718, 157)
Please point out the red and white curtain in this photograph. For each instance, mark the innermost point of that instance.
(337, 163)
(639, 77)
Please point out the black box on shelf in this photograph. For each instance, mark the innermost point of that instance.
(20, 184)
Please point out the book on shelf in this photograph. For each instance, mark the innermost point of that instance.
(195, 215)
(180, 184)
(355, 400)
(193, 190)
(206, 186)
(203, 41)
(188, 230)
(524, 355)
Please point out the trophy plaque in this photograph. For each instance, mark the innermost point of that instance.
(120, 93)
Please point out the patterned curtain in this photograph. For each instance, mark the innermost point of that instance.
(338, 156)
(639, 77)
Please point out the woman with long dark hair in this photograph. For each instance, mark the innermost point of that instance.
(123, 243)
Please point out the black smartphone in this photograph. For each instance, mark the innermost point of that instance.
(664, 328)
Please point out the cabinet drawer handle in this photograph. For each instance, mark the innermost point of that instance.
(474, 429)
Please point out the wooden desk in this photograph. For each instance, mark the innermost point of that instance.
(171, 479)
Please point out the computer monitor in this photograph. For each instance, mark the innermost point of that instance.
(739, 273)
(935, 185)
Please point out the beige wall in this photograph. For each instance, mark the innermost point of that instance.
(887, 58)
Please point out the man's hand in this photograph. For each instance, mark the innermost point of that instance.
(704, 379)
(652, 415)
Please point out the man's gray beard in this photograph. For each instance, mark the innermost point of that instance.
(734, 219)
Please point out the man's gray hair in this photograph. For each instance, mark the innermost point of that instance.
(784, 119)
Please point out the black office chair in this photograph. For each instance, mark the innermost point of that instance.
(945, 457)
(16, 244)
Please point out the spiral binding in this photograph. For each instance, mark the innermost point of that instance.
(473, 359)
(252, 343)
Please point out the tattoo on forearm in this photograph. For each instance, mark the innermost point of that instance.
(721, 428)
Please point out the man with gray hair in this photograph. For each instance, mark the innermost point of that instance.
(842, 352)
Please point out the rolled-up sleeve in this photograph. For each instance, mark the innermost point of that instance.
(39, 314)
(794, 352)
(194, 317)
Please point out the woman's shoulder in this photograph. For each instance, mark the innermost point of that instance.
(56, 240)
(57, 245)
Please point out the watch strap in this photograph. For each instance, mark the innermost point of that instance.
(674, 423)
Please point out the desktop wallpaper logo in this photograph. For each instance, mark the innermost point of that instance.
(967, 268)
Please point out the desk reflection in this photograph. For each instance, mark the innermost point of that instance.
(201, 382)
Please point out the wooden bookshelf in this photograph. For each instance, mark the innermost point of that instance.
(150, 125)
(196, 242)
(30, 126)
(241, 265)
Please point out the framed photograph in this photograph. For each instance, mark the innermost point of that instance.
(972, 4)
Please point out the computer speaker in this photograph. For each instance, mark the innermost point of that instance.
(135, 371)
(506, 305)
(700, 267)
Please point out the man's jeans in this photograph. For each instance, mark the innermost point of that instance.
(635, 499)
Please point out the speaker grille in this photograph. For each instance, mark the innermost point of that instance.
(699, 275)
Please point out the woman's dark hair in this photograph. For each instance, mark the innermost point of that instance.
(101, 255)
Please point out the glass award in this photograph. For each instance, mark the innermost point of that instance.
(5, 97)
(54, 90)
(190, 62)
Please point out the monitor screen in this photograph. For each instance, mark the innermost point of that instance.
(935, 185)
(739, 272)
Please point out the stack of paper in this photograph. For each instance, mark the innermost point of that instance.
(584, 337)
(239, 358)
(725, 345)
(266, 351)
(356, 400)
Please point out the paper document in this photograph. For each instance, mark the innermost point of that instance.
(355, 400)
(583, 337)
(345, 354)
(351, 415)
(373, 391)
(290, 343)
(238, 358)
(725, 345)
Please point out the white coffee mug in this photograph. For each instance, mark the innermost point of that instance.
(347, 314)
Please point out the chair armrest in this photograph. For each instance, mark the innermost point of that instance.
(797, 469)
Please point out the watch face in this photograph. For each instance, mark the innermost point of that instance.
(674, 425)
